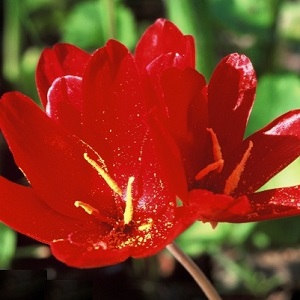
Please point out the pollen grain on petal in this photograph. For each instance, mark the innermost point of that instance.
(57, 240)
(234, 178)
(146, 226)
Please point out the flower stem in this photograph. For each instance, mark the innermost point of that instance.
(11, 40)
(111, 21)
(195, 272)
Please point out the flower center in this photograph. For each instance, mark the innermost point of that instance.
(128, 212)
(233, 180)
(124, 230)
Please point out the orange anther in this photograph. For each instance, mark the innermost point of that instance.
(234, 178)
(86, 207)
(216, 147)
(217, 153)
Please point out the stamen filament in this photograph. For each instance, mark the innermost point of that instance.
(93, 211)
(86, 207)
(216, 148)
(111, 183)
(128, 213)
(211, 167)
(234, 178)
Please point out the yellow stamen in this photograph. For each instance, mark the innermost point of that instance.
(111, 183)
(211, 167)
(234, 178)
(128, 213)
(86, 207)
(216, 148)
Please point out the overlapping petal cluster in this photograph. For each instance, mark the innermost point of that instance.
(99, 191)
(123, 139)
(224, 170)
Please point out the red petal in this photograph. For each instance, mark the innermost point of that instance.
(114, 110)
(153, 193)
(230, 98)
(81, 256)
(218, 207)
(185, 105)
(62, 59)
(166, 61)
(51, 158)
(154, 87)
(23, 211)
(153, 201)
(117, 245)
(187, 116)
(185, 216)
(88, 249)
(154, 206)
(65, 103)
(274, 204)
(155, 71)
(169, 158)
(161, 38)
(274, 148)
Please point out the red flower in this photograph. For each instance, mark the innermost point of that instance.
(99, 190)
(224, 170)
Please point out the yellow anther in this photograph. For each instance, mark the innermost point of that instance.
(128, 213)
(111, 183)
(86, 207)
(211, 167)
(216, 148)
(234, 178)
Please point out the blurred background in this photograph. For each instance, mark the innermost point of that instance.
(245, 261)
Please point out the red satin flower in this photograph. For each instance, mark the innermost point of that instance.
(224, 170)
(99, 189)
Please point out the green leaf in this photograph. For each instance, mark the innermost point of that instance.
(126, 31)
(276, 94)
(277, 233)
(34, 5)
(202, 237)
(8, 245)
(28, 64)
(90, 24)
(194, 17)
(290, 25)
(84, 25)
(244, 15)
